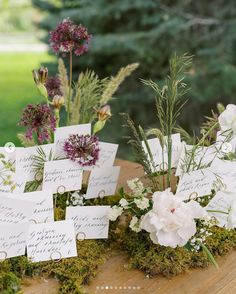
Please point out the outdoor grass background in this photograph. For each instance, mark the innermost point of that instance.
(17, 90)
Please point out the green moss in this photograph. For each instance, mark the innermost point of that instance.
(155, 259)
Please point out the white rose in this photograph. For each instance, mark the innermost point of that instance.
(171, 221)
(227, 119)
(232, 216)
(123, 202)
(134, 224)
(114, 212)
(142, 203)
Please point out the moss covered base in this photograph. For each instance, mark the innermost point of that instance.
(72, 273)
(155, 259)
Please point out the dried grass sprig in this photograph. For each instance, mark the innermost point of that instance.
(116, 81)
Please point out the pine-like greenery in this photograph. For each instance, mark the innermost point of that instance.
(148, 32)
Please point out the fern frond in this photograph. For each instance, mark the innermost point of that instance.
(116, 81)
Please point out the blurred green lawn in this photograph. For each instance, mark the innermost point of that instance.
(17, 90)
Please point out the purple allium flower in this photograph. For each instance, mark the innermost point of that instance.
(68, 36)
(53, 86)
(39, 119)
(83, 149)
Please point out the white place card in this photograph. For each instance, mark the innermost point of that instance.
(91, 222)
(219, 207)
(43, 200)
(203, 157)
(18, 183)
(62, 176)
(160, 156)
(63, 133)
(107, 155)
(13, 240)
(13, 211)
(195, 184)
(51, 241)
(25, 160)
(9, 156)
(102, 182)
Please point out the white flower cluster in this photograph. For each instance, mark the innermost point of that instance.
(136, 186)
(77, 199)
(115, 212)
(135, 224)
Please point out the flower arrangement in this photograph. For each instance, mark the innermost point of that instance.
(171, 211)
(85, 104)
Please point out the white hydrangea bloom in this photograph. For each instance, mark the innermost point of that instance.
(114, 212)
(135, 224)
(142, 203)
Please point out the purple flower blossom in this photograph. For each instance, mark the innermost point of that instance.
(82, 149)
(53, 86)
(39, 119)
(68, 36)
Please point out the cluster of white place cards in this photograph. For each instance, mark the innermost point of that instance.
(51, 241)
(219, 206)
(62, 134)
(62, 176)
(159, 154)
(13, 240)
(196, 184)
(25, 159)
(102, 182)
(27, 223)
(91, 222)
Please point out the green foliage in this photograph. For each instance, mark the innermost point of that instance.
(149, 32)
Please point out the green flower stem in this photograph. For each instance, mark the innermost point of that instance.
(219, 211)
(69, 93)
(57, 116)
(199, 144)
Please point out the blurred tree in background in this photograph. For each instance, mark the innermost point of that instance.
(148, 32)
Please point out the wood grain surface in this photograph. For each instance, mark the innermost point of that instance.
(116, 277)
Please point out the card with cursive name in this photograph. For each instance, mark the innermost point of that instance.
(51, 241)
(43, 200)
(160, 155)
(102, 182)
(62, 134)
(25, 160)
(91, 222)
(13, 240)
(62, 176)
(107, 155)
(195, 184)
(194, 159)
(13, 211)
(219, 206)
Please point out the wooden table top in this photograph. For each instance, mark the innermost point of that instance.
(115, 276)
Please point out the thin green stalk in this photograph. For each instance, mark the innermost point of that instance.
(69, 93)
(57, 116)
(219, 211)
(169, 154)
